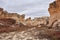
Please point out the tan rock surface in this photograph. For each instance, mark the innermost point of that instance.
(54, 11)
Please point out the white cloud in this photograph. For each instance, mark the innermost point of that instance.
(28, 7)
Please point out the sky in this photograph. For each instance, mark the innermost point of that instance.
(31, 8)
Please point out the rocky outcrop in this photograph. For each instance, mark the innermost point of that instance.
(21, 18)
(16, 16)
(13, 24)
(54, 11)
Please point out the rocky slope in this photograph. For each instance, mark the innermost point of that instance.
(15, 27)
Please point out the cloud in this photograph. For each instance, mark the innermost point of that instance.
(29, 7)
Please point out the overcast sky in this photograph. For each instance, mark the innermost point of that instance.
(32, 8)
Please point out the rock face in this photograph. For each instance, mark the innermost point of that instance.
(54, 11)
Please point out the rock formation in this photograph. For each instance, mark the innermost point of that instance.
(14, 26)
(54, 11)
(21, 18)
